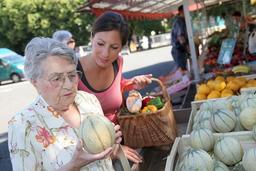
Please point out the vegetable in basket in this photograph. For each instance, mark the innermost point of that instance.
(149, 108)
(134, 101)
(145, 100)
(157, 102)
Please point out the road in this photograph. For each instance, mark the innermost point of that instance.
(14, 97)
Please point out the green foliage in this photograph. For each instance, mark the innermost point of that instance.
(146, 26)
(20, 21)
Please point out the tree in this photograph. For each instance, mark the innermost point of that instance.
(20, 21)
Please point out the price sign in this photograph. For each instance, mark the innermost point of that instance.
(226, 51)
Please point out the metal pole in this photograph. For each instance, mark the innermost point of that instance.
(191, 40)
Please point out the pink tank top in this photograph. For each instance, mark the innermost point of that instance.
(111, 98)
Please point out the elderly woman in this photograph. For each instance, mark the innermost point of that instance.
(65, 37)
(44, 136)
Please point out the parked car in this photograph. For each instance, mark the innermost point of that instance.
(11, 65)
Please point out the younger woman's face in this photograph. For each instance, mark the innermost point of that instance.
(106, 47)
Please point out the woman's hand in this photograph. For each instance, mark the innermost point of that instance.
(118, 134)
(82, 158)
(142, 80)
(132, 154)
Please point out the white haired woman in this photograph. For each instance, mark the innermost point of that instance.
(44, 135)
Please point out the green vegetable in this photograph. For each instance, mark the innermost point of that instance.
(157, 102)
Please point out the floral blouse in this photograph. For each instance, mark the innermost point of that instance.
(41, 140)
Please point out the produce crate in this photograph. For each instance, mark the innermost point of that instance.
(181, 143)
(248, 77)
(195, 106)
(249, 90)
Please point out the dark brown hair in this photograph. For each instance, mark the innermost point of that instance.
(109, 21)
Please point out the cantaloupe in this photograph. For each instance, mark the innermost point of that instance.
(202, 138)
(228, 150)
(249, 100)
(248, 117)
(97, 133)
(254, 132)
(219, 166)
(196, 159)
(223, 120)
(249, 160)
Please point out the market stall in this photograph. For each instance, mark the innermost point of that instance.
(219, 115)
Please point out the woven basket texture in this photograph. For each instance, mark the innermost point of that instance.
(149, 129)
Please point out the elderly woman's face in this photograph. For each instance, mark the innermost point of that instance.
(58, 83)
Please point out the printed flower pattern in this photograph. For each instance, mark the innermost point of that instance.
(43, 136)
(39, 140)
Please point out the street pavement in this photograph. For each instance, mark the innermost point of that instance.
(14, 97)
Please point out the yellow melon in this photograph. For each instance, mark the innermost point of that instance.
(240, 81)
(199, 96)
(210, 84)
(219, 85)
(230, 78)
(213, 94)
(203, 89)
(232, 85)
(219, 78)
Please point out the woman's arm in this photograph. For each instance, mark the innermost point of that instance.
(137, 82)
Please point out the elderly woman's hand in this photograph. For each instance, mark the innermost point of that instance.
(142, 80)
(82, 158)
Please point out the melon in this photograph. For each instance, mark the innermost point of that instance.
(248, 100)
(201, 115)
(238, 167)
(235, 102)
(203, 89)
(202, 120)
(202, 138)
(219, 166)
(200, 96)
(213, 94)
(228, 150)
(223, 120)
(203, 124)
(97, 133)
(254, 132)
(208, 105)
(249, 160)
(196, 159)
(248, 117)
(222, 104)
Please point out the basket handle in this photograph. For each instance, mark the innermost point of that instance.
(163, 88)
(165, 93)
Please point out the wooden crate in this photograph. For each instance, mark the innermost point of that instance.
(181, 143)
(249, 90)
(195, 106)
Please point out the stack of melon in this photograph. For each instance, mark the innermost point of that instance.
(207, 152)
(236, 113)
(222, 87)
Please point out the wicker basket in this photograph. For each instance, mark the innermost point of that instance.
(149, 129)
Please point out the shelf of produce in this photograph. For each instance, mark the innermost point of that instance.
(182, 143)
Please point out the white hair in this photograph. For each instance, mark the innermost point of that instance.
(38, 49)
